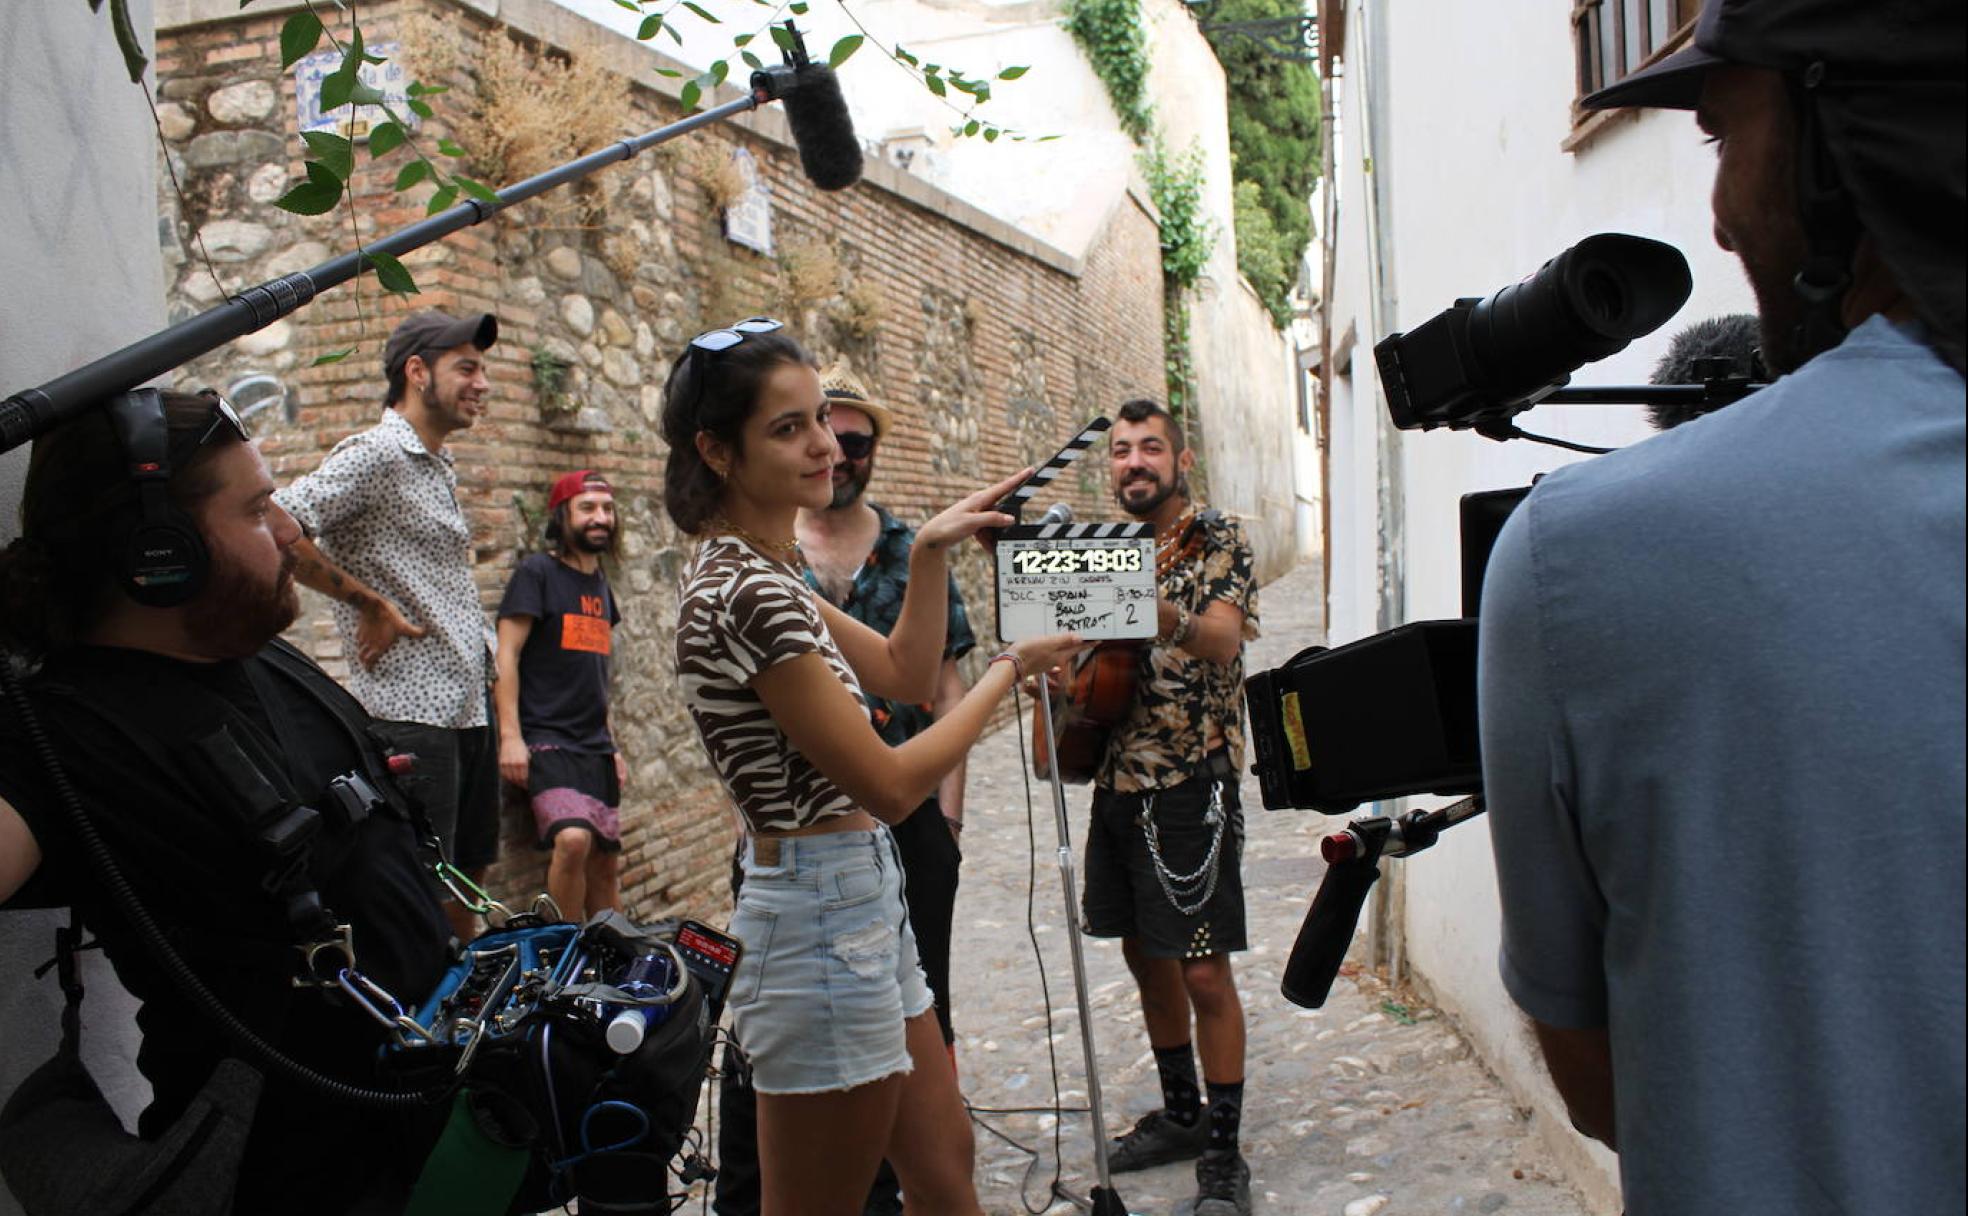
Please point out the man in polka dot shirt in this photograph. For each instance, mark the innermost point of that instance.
(387, 541)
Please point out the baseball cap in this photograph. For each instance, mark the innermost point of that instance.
(577, 482)
(431, 330)
(842, 387)
(1879, 42)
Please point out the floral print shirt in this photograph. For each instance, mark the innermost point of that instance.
(1181, 701)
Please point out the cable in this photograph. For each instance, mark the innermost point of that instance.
(169, 961)
(1501, 431)
(1057, 1111)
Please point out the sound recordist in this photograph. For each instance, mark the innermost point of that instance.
(192, 741)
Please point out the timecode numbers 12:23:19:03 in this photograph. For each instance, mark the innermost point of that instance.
(1119, 559)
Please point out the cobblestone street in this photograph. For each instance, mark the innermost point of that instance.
(1368, 1107)
(1365, 1107)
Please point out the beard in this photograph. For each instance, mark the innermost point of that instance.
(597, 539)
(1779, 313)
(239, 612)
(848, 491)
(1162, 492)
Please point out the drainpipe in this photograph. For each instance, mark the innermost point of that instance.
(1384, 934)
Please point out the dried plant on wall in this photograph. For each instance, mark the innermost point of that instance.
(527, 111)
(813, 270)
(709, 163)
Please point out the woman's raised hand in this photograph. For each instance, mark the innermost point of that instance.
(970, 515)
(1040, 655)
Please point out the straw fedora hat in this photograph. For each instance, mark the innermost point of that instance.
(842, 387)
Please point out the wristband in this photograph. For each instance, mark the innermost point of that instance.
(956, 825)
(1017, 664)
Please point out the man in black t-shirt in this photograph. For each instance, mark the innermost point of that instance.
(186, 733)
(556, 632)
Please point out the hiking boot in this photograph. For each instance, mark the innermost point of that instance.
(1222, 1185)
(1156, 1140)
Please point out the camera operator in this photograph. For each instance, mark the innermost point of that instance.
(1706, 657)
(185, 730)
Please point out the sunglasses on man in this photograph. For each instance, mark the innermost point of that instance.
(855, 445)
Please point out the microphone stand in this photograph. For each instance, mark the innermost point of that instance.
(35, 411)
(1104, 1201)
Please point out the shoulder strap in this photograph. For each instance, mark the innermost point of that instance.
(304, 674)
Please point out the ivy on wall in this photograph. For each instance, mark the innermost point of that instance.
(1116, 46)
(1175, 185)
(1274, 143)
(1110, 33)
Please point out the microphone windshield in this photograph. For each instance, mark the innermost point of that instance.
(1720, 344)
(817, 112)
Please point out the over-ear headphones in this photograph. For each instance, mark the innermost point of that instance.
(162, 562)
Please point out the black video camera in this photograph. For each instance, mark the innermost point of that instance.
(1395, 714)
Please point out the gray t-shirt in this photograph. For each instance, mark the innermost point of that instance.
(1722, 709)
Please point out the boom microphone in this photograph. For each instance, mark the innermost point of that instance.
(1057, 513)
(817, 111)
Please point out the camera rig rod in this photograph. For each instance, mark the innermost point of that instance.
(1410, 833)
(35, 411)
(1709, 392)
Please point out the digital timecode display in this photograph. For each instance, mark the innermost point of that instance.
(1120, 559)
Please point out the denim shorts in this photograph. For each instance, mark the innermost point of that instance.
(829, 970)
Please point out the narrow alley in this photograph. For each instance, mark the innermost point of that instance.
(1368, 1106)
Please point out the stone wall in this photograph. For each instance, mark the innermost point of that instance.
(992, 346)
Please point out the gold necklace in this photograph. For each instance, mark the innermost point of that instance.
(786, 551)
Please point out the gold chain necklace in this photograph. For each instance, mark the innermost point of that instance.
(787, 551)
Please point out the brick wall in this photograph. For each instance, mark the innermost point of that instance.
(992, 349)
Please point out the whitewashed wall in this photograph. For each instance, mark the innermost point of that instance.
(1479, 194)
(78, 163)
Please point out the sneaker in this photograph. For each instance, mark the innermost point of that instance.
(1222, 1185)
(1157, 1140)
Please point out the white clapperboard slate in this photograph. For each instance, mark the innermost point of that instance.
(1096, 580)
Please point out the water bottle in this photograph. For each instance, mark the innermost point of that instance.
(650, 976)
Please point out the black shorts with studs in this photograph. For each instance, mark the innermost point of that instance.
(1172, 908)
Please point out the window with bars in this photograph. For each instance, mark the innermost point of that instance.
(1613, 39)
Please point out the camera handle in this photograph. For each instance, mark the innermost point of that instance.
(1353, 866)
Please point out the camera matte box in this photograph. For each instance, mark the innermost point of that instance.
(1386, 716)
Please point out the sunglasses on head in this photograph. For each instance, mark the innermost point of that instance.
(855, 445)
(224, 418)
(714, 341)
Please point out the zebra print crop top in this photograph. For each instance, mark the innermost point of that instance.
(739, 613)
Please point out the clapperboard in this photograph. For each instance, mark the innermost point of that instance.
(1093, 579)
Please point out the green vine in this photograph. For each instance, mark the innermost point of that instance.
(550, 380)
(1175, 185)
(1110, 33)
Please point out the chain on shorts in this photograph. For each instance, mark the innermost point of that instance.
(1187, 893)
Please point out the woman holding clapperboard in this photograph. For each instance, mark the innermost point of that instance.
(829, 999)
